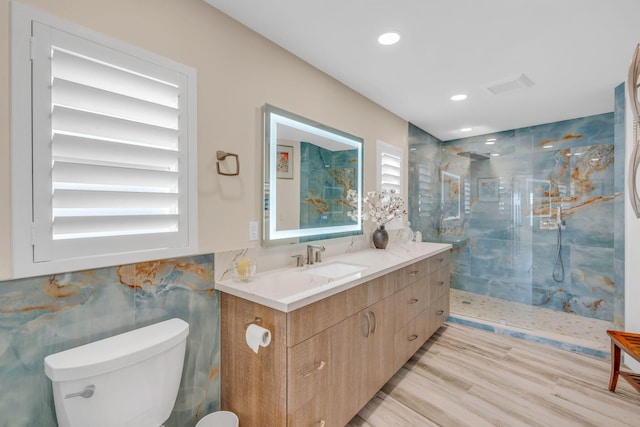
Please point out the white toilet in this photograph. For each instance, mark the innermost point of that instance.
(126, 380)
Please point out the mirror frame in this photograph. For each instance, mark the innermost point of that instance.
(273, 116)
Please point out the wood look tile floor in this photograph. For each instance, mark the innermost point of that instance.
(465, 376)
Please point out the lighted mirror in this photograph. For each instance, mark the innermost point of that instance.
(450, 194)
(308, 170)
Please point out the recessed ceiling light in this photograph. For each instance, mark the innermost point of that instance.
(489, 142)
(459, 97)
(388, 39)
(466, 130)
(547, 146)
(495, 154)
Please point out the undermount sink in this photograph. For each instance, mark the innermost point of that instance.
(335, 270)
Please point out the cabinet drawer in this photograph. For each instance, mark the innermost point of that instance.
(438, 261)
(367, 294)
(439, 312)
(439, 283)
(410, 338)
(314, 413)
(411, 273)
(307, 321)
(308, 370)
(411, 301)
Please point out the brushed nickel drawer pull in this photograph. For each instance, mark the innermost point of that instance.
(375, 322)
(413, 273)
(413, 337)
(368, 324)
(440, 312)
(440, 259)
(412, 301)
(440, 283)
(318, 369)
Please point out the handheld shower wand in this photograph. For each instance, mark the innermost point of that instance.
(558, 267)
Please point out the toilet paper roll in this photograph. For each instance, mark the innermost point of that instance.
(257, 336)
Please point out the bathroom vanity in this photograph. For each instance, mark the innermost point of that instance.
(340, 330)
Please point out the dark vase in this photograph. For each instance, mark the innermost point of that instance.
(380, 237)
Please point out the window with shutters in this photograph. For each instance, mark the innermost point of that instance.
(110, 147)
(390, 160)
(390, 169)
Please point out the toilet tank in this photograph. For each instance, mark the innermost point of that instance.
(131, 379)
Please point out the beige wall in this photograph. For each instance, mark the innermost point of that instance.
(238, 72)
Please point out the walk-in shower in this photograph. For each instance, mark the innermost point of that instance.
(495, 198)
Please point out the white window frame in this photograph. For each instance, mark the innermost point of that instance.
(383, 150)
(24, 231)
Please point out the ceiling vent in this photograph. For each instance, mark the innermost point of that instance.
(509, 85)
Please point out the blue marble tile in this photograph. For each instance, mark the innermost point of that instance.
(591, 130)
(44, 315)
(511, 289)
(325, 178)
(424, 209)
(506, 253)
(473, 284)
(589, 222)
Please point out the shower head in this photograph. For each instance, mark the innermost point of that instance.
(475, 156)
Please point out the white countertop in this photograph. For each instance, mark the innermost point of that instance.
(287, 289)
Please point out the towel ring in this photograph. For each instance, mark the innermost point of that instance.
(221, 155)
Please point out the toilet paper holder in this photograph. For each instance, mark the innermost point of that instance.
(256, 321)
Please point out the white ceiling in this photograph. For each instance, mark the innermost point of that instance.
(574, 51)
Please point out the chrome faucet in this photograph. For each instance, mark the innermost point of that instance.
(310, 250)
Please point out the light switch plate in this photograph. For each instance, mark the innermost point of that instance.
(253, 230)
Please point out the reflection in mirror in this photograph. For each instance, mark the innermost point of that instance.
(308, 169)
(450, 196)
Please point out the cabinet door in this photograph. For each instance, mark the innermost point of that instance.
(349, 367)
(380, 352)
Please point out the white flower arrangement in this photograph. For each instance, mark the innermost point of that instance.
(379, 208)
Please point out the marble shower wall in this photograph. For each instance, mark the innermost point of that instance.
(325, 178)
(509, 189)
(44, 315)
(424, 183)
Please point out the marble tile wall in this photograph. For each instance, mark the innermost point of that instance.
(325, 178)
(500, 249)
(44, 315)
(424, 183)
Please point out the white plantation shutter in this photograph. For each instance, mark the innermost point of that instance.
(113, 150)
(390, 160)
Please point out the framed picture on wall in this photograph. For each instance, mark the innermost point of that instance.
(488, 189)
(284, 167)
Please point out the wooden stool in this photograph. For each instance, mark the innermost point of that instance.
(630, 343)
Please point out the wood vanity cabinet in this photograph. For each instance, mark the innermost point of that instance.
(328, 359)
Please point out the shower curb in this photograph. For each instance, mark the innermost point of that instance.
(528, 336)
